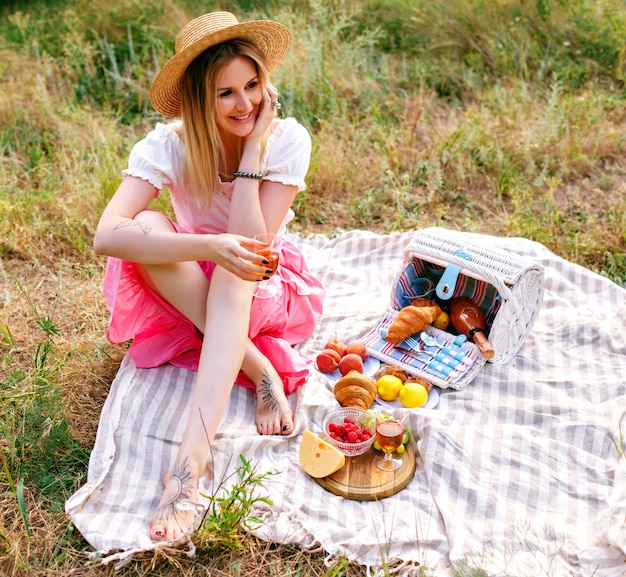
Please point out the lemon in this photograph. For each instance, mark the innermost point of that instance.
(442, 321)
(413, 395)
(388, 387)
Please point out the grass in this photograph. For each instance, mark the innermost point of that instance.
(504, 117)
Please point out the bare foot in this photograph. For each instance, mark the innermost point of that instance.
(273, 414)
(178, 507)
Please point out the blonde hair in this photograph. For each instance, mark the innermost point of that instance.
(204, 149)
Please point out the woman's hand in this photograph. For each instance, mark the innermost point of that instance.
(232, 252)
(266, 114)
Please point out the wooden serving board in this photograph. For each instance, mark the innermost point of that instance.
(359, 479)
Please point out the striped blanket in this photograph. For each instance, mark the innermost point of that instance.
(522, 472)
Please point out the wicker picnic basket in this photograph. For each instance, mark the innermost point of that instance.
(442, 264)
(508, 287)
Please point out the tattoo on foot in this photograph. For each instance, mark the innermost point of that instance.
(181, 475)
(267, 394)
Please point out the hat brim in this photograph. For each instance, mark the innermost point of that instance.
(272, 39)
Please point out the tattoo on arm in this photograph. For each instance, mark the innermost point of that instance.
(130, 222)
(267, 394)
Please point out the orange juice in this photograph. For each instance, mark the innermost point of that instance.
(389, 435)
(271, 256)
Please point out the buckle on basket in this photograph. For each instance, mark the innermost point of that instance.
(447, 282)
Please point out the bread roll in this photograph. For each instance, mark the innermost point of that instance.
(410, 320)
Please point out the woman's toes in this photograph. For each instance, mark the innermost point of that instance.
(268, 424)
(287, 425)
(157, 532)
(261, 428)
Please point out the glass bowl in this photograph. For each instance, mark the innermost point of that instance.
(364, 419)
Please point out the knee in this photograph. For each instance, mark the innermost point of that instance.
(229, 288)
(155, 219)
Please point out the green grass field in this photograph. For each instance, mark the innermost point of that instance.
(500, 117)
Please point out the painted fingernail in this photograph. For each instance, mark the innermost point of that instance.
(266, 261)
(287, 428)
(269, 271)
(160, 534)
(266, 278)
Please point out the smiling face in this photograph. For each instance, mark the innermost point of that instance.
(239, 94)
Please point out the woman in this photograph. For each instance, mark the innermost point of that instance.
(183, 291)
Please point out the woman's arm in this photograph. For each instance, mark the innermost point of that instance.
(122, 233)
(276, 199)
(259, 206)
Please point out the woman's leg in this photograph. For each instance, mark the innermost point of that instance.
(182, 284)
(222, 313)
(273, 415)
(223, 350)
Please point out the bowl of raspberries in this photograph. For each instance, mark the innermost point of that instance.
(351, 430)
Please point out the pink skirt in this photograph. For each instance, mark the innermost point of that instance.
(161, 334)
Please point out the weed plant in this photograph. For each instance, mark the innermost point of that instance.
(498, 117)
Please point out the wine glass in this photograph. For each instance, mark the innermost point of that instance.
(267, 245)
(389, 433)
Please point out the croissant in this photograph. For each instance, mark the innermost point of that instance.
(394, 370)
(358, 399)
(355, 390)
(422, 302)
(410, 320)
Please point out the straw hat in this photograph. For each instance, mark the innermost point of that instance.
(271, 38)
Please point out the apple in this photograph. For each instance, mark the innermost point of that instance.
(327, 361)
(357, 348)
(336, 345)
(350, 362)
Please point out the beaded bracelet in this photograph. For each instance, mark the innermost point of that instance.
(254, 175)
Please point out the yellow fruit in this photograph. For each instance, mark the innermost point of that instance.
(442, 321)
(413, 395)
(388, 387)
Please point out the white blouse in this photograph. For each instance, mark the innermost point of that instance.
(158, 159)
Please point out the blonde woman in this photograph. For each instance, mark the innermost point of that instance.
(182, 290)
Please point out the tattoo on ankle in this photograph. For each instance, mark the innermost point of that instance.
(181, 475)
(267, 394)
(131, 222)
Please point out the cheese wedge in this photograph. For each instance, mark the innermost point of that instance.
(317, 457)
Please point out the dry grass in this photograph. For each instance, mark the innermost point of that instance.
(424, 173)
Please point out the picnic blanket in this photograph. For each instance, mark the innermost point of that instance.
(522, 472)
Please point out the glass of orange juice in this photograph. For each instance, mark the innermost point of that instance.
(389, 433)
(268, 246)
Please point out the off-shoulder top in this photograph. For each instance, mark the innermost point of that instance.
(158, 159)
